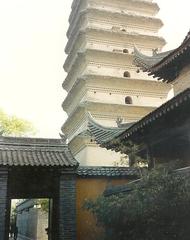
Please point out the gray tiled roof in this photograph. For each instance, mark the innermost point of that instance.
(108, 171)
(105, 134)
(146, 62)
(165, 66)
(35, 152)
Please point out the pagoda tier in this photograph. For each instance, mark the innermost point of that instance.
(102, 79)
(111, 39)
(106, 114)
(97, 62)
(89, 153)
(126, 49)
(104, 19)
(107, 41)
(145, 8)
(114, 90)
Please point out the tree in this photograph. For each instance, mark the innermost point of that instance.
(44, 203)
(14, 126)
(157, 208)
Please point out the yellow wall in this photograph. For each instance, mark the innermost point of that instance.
(90, 188)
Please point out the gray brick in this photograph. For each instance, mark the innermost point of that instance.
(67, 207)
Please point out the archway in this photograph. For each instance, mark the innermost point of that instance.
(128, 100)
(127, 74)
(125, 50)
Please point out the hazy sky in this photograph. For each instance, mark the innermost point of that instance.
(32, 40)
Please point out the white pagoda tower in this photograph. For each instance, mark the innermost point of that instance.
(102, 79)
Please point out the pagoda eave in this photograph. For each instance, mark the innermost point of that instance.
(124, 16)
(97, 52)
(151, 5)
(133, 35)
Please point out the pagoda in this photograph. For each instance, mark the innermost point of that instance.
(101, 77)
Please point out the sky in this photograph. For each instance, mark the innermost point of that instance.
(32, 41)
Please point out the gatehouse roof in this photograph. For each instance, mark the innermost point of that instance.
(15, 151)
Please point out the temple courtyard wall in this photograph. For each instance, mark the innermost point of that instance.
(90, 184)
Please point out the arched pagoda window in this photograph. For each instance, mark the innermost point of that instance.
(128, 100)
(127, 74)
(125, 50)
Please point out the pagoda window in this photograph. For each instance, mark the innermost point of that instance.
(128, 100)
(125, 50)
(127, 74)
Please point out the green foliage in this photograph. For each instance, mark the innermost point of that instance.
(44, 204)
(157, 208)
(13, 126)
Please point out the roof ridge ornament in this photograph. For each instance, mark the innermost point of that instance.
(154, 51)
(119, 121)
(63, 138)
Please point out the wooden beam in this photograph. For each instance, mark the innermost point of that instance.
(150, 157)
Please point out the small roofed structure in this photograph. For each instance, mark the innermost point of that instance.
(39, 168)
(166, 66)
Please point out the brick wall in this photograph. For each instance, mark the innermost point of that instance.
(67, 207)
(3, 201)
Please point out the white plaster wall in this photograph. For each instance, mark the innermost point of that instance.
(122, 6)
(120, 99)
(110, 120)
(96, 156)
(114, 91)
(129, 27)
(114, 70)
(117, 47)
(112, 39)
(101, 20)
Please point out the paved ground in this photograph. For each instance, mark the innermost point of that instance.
(16, 239)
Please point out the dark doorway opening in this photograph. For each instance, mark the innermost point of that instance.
(31, 219)
(33, 203)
